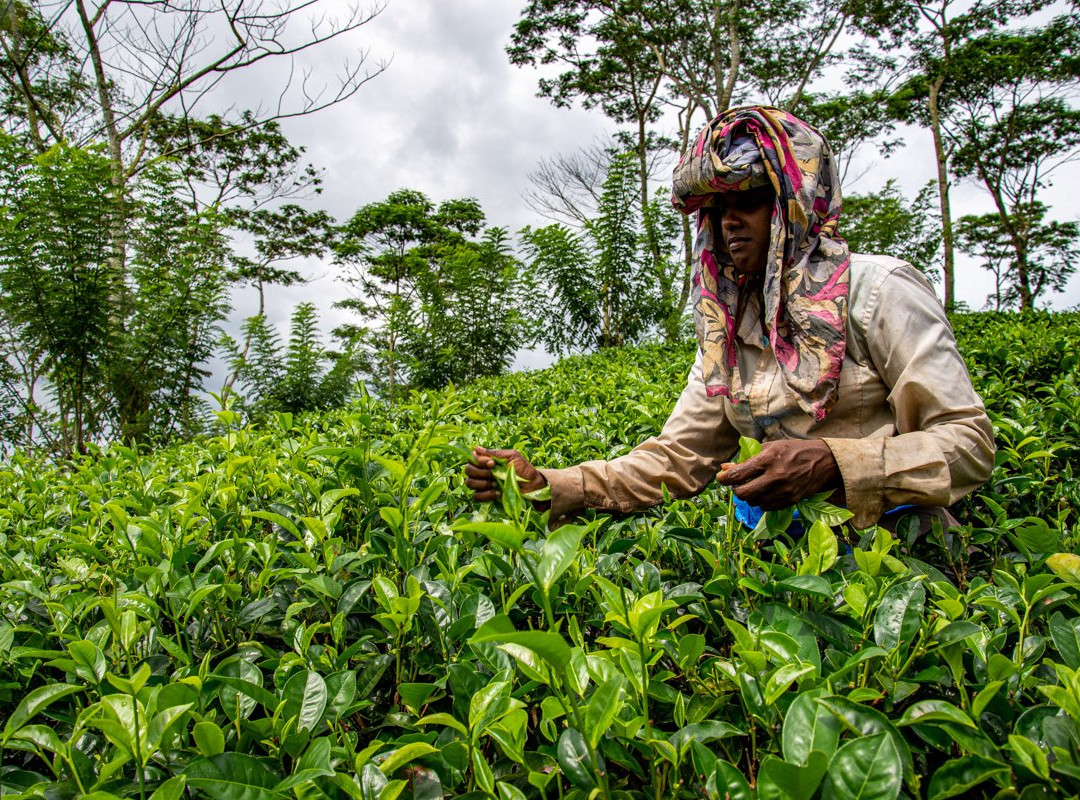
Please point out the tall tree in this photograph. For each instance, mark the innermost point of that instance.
(602, 278)
(175, 295)
(1051, 252)
(133, 71)
(619, 74)
(943, 60)
(137, 79)
(57, 277)
(1012, 114)
(472, 318)
(437, 304)
(120, 354)
(885, 222)
(380, 248)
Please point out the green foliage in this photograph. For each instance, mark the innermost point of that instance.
(605, 290)
(1000, 101)
(57, 275)
(1051, 250)
(472, 312)
(165, 315)
(301, 376)
(124, 86)
(117, 337)
(441, 307)
(1015, 122)
(884, 222)
(315, 605)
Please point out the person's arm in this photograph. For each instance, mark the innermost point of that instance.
(944, 447)
(696, 439)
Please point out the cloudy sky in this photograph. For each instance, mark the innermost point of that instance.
(452, 118)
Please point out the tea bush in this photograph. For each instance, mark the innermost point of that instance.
(314, 608)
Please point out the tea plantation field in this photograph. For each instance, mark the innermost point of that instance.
(314, 609)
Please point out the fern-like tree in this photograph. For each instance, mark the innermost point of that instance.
(302, 375)
(604, 288)
(57, 279)
(118, 352)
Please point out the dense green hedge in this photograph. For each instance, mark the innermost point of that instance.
(313, 608)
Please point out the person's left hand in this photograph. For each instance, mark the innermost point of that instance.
(783, 473)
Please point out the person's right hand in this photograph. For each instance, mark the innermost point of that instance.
(480, 478)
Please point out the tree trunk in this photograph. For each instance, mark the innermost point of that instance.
(1019, 239)
(688, 245)
(948, 269)
(115, 148)
(723, 100)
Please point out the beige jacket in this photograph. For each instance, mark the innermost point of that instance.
(907, 427)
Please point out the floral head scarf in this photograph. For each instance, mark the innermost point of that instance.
(806, 276)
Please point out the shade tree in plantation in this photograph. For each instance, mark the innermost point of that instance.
(601, 277)
(380, 250)
(1014, 117)
(438, 294)
(472, 316)
(109, 352)
(176, 286)
(133, 83)
(57, 278)
(966, 73)
(302, 375)
(133, 79)
(1052, 249)
(886, 222)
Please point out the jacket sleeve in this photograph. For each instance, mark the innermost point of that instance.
(685, 457)
(944, 446)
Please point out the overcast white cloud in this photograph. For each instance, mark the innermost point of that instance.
(452, 118)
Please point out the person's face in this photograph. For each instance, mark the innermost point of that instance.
(742, 223)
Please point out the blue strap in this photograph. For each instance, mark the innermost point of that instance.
(750, 515)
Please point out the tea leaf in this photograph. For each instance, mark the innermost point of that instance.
(809, 727)
(33, 703)
(405, 755)
(575, 761)
(549, 646)
(898, 616)
(960, 775)
(558, 553)
(868, 768)
(1066, 566)
(779, 780)
(305, 698)
(502, 533)
(232, 776)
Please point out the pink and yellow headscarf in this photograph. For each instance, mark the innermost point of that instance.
(806, 276)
